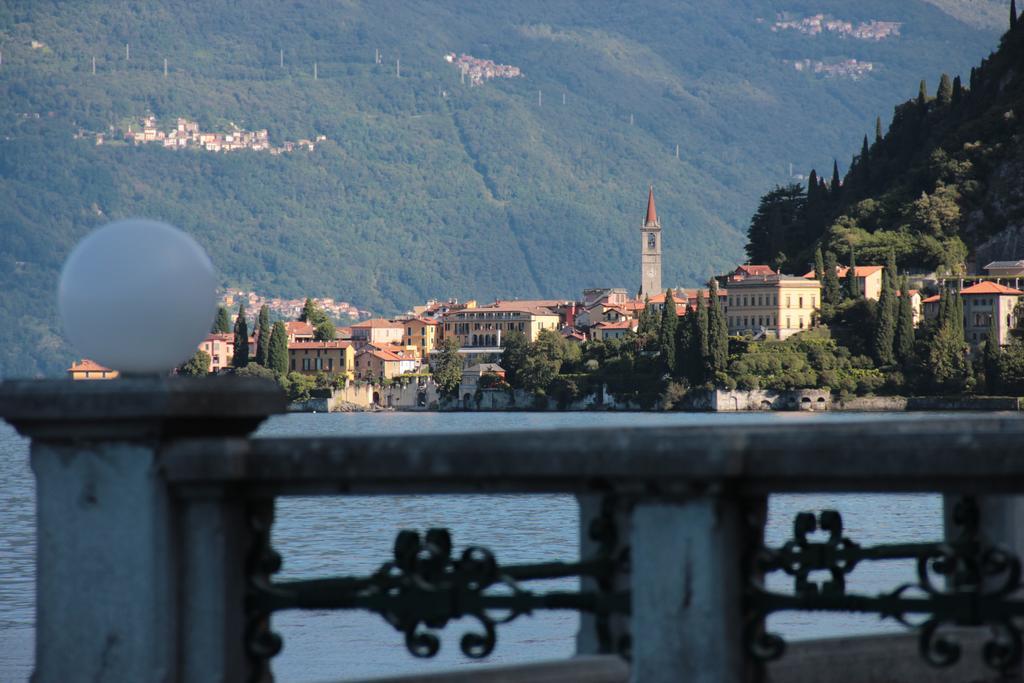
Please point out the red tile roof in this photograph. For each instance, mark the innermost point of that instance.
(862, 271)
(383, 355)
(623, 325)
(377, 323)
(319, 345)
(748, 269)
(220, 336)
(293, 327)
(930, 300)
(991, 288)
(86, 365)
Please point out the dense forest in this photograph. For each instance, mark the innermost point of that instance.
(426, 186)
(941, 188)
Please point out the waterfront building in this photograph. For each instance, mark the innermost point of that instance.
(482, 328)
(778, 306)
(374, 364)
(983, 301)
(868, 277)
(420, 334)
(377, 331)
(328, 357)
(745, 271)
(650, 251)
(220, 347)
(90, 369)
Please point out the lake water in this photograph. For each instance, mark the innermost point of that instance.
(326, 536)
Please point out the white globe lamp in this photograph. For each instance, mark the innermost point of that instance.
(137, 296)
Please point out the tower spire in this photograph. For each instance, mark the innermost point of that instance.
(652, 213)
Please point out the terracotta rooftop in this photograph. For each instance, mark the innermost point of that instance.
(383, 355)
(293, 327)
(748, 269)
(930, 300)
(991, 288)
(376, 323)
(86, 365)
(862, 271)
(319, 345)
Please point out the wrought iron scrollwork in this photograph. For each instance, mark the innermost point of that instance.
(426, 585)
(962, 582)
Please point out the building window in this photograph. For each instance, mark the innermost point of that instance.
(788, 323)
(775, 299)
(800, 301)
(801, 322)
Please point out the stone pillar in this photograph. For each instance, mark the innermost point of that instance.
(110, 591)
(604, 525)
(687, 583)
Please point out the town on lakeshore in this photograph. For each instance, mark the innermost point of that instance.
(608, 346)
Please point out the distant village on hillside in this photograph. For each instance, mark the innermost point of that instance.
(480, 70)
(186, 135)
(823, 23)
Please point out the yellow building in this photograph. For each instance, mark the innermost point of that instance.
(778, 305)
(420, 334)
(484, 327)
(328, 357)
(377, 331)
(868, 277)
(88, 369)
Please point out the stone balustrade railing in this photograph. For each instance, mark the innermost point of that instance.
(156, 562)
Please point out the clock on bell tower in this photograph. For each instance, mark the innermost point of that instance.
(650, 250)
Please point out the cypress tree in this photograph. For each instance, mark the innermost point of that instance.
(699, 362)
(993, 357)
(974, 78)
(277, 349)
(852, 283)
(835, 179)
(904, 343)
(833, 292)
(263, 338)
(222, 323)
(922, 95)
(819, 265)
(943, 317)
(885, 326)
(684, 345)
(945, 93)
(718, 332)
(958, 90)
(310, 312)
(667, 331)
(863, 165)
(955, 311)
(1013, 14)
(878, 129)
(241, 357)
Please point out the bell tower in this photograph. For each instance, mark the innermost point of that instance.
(650, 250)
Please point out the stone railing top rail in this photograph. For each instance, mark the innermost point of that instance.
(972, 453)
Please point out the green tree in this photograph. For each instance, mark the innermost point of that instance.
(832, 291)
(513, 356)
(196, 366)
(819, 265)
(685, 344)
(836, 182)
(241, 357)
(324, 330)
(263, 340)
(878, 129)
(222, 323)
(947, 363)
(993, 357)
(958, 90)
(718, 332)
(922, 95)
(888, 311)
(1013, 14)
(945, 93)
(538, 373)
(903, 346)
(667, 332)
(311, 312)
(448, 367)
(777, 225)
(700, 337)
(277, 349)
(852, 283)
(649, 322)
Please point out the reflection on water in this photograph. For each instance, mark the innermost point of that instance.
(333, 535)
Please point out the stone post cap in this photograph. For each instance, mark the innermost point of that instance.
(164, 408)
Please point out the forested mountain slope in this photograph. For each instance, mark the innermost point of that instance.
(943, 188)
(427, 186)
